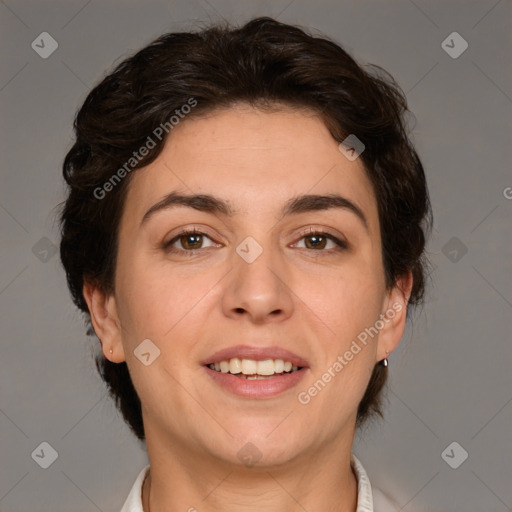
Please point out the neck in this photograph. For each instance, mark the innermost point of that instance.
(178, 481)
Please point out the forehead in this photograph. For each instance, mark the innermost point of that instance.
(256, 160)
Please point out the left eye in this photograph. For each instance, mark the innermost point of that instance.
(319, 240)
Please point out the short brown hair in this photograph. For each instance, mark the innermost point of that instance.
(262, 63)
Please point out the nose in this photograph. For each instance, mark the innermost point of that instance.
(260, 290)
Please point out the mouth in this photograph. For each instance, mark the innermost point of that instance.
(256, 372)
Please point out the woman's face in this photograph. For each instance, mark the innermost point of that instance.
(254, 285)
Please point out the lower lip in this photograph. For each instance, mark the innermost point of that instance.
(256, 388)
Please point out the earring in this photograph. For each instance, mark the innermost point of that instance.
(385, 360)
(111, 351)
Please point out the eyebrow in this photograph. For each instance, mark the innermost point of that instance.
(295, 205)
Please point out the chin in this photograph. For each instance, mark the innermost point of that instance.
(268, 446)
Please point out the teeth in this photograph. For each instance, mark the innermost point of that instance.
(265, 367)
(279, 366)
(235, 365)
(249, 366)
(252, 369)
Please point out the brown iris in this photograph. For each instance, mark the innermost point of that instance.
(316, 244)
(188, 237)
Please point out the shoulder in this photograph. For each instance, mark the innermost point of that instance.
(133, 502)
(368, 499)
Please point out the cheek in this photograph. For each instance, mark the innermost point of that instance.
(161, 303)
(142, 298)
(160, 306)
(348, 300)
(349, 303)
(144, 307)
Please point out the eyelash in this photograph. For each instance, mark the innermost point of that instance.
(168, 245)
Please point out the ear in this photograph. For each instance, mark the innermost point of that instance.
(104, 318)
(394, 316)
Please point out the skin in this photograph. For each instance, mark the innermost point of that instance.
(312, 301)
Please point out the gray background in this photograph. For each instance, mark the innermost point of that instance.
(450, 379)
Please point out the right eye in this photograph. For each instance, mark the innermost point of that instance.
(190, 240)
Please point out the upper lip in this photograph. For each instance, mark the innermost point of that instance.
(255, 353)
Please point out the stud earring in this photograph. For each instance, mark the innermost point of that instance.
(111, 351)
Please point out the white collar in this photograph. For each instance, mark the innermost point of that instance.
(133, 502)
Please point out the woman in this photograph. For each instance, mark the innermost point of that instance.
(245, 231)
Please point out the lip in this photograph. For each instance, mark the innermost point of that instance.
(264, 388)
(257, 354)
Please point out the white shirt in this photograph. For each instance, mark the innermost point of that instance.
(365, 498)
